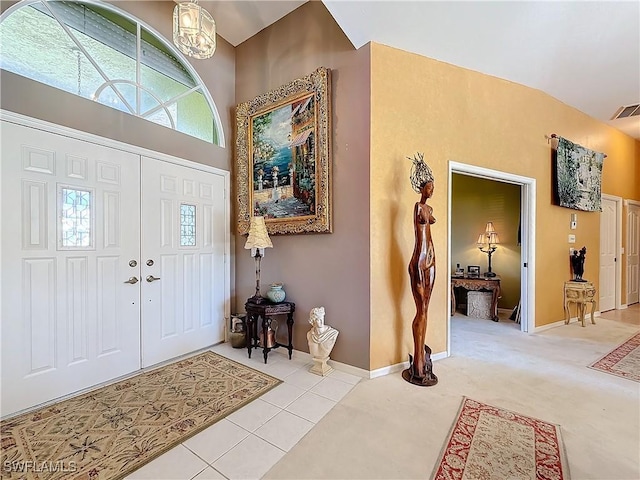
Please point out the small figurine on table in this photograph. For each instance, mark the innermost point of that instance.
(577, 264)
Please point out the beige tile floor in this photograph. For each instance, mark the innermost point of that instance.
(247, 443)
(341, 428)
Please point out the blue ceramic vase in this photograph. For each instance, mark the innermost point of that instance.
(275, 293)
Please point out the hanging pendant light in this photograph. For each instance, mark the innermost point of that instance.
(194, 30)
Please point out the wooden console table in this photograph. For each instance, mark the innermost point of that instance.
(481, 283)
(579, 293)
(266, 311)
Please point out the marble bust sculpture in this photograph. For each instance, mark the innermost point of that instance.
(321, 339)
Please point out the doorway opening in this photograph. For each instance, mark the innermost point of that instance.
(525, 231)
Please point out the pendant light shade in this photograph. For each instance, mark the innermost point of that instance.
(194, 30)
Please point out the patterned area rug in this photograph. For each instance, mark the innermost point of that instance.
(112, 431)
(491, 443)
(623, 361)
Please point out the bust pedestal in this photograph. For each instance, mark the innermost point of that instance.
(321, 367)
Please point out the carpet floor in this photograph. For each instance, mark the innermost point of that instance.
(489, 442)
(386, 428)
(623, 361)
(110, 432)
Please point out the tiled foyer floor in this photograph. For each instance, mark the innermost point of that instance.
(247, 443)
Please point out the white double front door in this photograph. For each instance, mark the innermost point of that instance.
(183, 238)
(110, 262)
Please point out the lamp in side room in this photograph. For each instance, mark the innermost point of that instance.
(194, 30)
(487, 243)
(257, 241)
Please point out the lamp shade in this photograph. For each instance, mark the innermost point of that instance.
(258, 235)
(482, 239)
(490, 228)
(194, 30)
(493, 238)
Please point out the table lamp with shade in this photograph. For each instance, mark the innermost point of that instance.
(257, 241)
(487, 243)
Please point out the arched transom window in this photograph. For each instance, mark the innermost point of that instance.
(99, 52)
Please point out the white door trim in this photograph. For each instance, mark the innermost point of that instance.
(19, 119)
(528, 211)
(626, 203)
(618, 269)
(104, 141)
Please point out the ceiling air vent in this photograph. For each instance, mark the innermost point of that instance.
(627, 111)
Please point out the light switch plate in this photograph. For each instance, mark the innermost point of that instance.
(572, 238)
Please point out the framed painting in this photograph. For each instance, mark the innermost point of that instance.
(578, 177)
(283, 162)
(473, 271)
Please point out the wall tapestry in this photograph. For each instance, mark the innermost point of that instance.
(578, 177)
(283, 163)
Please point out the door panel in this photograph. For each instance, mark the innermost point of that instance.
(633, 254)
(183, 310)
(68, 319)
(608, 232)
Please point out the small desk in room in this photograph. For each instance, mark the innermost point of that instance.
(481, 283)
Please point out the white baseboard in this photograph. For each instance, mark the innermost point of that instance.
(346, 368)
(361, 372)
(551, 325)
(343, 367)
(398, 367)
(587, 318)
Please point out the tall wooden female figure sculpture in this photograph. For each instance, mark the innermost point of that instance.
(422, 272)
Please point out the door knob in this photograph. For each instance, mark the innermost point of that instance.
(132, 280)
(151, 278)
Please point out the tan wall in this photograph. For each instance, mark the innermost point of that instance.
(474, 202)
(450, 113)
(626, 175)
(330, 270)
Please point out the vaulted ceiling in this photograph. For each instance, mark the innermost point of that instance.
(584, 53)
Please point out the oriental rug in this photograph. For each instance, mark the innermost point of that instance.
(488, 442)
(112, 431)
(623, 361)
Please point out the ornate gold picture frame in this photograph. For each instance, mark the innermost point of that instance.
(283, 157)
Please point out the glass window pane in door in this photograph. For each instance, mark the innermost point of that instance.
(187, 225)
(76, 218)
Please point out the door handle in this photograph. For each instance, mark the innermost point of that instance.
(132, 280)
(151, 278)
